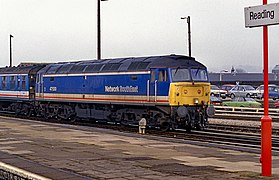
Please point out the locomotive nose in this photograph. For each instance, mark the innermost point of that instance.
(189, 95)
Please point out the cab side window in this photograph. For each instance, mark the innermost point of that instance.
(163, 75)
(153, 76)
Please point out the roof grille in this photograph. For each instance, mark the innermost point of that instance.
(138, 65)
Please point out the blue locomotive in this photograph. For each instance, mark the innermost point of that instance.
(168, 91)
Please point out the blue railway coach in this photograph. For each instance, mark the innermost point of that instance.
(17, 87)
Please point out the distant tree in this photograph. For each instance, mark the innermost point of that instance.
(232, 70)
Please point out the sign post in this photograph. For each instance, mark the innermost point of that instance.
(266, 128)
(263, 16)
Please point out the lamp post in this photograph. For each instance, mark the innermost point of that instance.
(11, 53)
(99, 28)
(189, 33)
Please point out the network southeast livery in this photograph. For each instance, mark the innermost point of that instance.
(128, 89)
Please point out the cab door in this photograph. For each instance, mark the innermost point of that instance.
(40, 85)
(159, 84)
(18, 81)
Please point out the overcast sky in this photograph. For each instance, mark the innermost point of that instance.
(65, 30)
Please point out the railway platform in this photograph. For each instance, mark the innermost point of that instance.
(57, 151)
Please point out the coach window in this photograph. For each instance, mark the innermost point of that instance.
(18, 83)
(4, 78)
(163, 75)
(23, 82)
(12, 83)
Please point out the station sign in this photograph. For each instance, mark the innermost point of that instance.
(262, 15)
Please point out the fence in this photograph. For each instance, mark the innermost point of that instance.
(244, 113)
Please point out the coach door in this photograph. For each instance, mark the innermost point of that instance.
(32, 84)
(158, 83)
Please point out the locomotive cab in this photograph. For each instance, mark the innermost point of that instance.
(189, 96)
(189, 87)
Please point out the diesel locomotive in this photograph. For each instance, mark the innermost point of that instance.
(169, 91)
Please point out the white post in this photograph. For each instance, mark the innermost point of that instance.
(142, 126)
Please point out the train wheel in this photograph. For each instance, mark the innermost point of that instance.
(199, 127)
(165, 126)
(174, 126)
(188, 123)
(201, 122)
(58, 118)
(162, 121)
(46, 116)
(17, 111)
(26, 110)
(188, 128)
(124, 123)
(72, 119)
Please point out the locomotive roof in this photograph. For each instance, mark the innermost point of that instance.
(121, 64)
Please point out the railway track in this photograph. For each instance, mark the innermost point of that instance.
(236, 139)
(244, 113)
(240, 128)
(240, 141)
